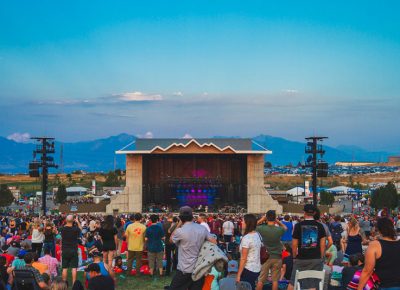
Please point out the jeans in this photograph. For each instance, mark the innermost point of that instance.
(169, 249)
(51, 246)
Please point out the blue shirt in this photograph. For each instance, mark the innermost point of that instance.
(287, 236)
(154, 234)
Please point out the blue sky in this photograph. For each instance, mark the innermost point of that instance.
(79, 70)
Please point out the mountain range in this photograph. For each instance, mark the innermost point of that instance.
(99, 155)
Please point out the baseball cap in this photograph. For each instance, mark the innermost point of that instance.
(185, 211)
(94, 267)
(309, 208)
(233, 266)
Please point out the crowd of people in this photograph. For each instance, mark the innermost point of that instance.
(202, 251)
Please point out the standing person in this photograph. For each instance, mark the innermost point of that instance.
(168, 227)
(50, 233)
(271, 236)
(202, 220)
(308, 246)
(228, 230)
(365, 225)
(154, 235)
(287, 237)
(37, 238)
(383, 255)
(336, 232)
(189, 237)
(355, 238)
(108, 233)
(250, 245)
(120, 234)
(135, 238)
(69, 246)
(216, 226)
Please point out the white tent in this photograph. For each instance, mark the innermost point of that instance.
(340, 189)
(296, 191)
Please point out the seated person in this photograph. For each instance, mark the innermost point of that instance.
(41, 267)
(28, 266)
(287, 263)
(356, 263)
(229, 282)
(19, 261)
(97, 281)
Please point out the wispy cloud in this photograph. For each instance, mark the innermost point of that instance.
(177, 94)
(290, 91)
(19, 137)
(147, 135)
(138, 97)
(187, 136)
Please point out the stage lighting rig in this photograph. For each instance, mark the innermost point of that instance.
(318, 166)
(44, 147)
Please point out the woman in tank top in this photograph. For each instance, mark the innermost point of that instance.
(383, 256)
(355, 239)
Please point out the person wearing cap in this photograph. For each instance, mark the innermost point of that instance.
(308, 247)
(271, 234)
(229, 282)
(189, 237)
(97, 281)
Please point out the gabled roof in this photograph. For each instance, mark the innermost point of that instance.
(225, 145)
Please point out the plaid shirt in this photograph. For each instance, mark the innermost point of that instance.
(36, 273)
(51, 262)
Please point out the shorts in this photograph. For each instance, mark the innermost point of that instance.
(155, 258)
(273, 265)
(69, 258)
(303, 265)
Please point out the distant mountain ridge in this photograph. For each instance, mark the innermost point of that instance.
(99, 154)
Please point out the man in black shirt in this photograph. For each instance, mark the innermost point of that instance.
(69, 246)
(308, 247)
(98, 281)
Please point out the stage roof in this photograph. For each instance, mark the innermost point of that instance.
(233, 145)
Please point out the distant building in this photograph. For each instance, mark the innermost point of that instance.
(76, 191)
(354, 163)
(394, 159)
(15, 191)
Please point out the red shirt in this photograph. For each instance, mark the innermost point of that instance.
(9, 259)
(58, 252)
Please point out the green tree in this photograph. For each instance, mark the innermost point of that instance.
(61, 195)
(385, 196)
(112, 179)
(267, 164)
(326, 198)
(6, 196)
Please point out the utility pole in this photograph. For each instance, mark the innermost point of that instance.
(319, 167)
(45, 147)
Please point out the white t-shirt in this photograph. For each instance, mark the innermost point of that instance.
(227, 228)
(252, 242)
(37, 237)
(204, 224)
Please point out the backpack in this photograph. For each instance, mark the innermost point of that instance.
(336, 231)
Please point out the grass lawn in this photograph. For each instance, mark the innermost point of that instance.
(139, 283)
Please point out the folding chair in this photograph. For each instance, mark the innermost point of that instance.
(309, 274)
(24, 280)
